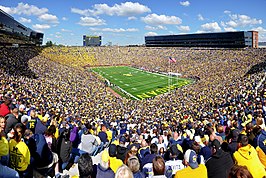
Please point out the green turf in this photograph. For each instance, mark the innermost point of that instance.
(139, 83)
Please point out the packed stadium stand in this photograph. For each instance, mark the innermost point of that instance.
(59, 119)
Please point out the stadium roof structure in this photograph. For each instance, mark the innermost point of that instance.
(13, 32)
(238, 39)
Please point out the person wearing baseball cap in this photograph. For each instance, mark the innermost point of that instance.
(193, 169)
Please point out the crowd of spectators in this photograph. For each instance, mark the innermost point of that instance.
(55, 114)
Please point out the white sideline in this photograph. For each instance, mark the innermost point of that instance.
(127, 93)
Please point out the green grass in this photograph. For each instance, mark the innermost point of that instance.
(138, 83)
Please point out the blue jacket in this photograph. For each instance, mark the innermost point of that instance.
(175, 142)
(148, 159)
(139, 175)
(43, 156)
(262, 141)
(142, 152)
(40, 128)
(105, 173)
(205, 152)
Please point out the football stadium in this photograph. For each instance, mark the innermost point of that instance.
(139, 84)
(189, 105)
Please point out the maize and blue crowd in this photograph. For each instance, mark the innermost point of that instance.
(56, 114)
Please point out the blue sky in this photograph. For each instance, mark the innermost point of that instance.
(127, 22)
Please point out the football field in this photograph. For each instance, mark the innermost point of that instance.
(139, 84)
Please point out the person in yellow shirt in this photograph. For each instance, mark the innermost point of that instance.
(193, 169)
(109, 134)
(246, 155)
(19, 153)
(114, 162)
(261, 148)
(4, 148)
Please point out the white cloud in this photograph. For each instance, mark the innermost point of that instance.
(151, 34)
(123, 9)
(183, 28)
(245, 20)
(24, 9)
(227, 12)
(64, 18)
(85, 12)
(229, 29)
(185, 3)
(210, 27)
(152, 28)
(154, 19)
(48, 18)
(24, 20)
(41, 27)
(115, 30)
(238, 20)
(200, 17)
(260, 29)
(262, 38)
(262, 33)
(231, 23)
(132, 18)
(90, 21)
(65, 30)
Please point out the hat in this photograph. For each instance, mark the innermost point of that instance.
(105, 156)
(112, 150)
(28, 133)
(22, 106)
(24, 118)
(123, 139)
(191, 157)
(197, 139)
(215, 144)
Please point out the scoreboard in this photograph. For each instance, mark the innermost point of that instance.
(92, 40)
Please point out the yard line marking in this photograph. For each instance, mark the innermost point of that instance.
(127, 84)
(133, 88)
(115, 78)
(121, 81)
